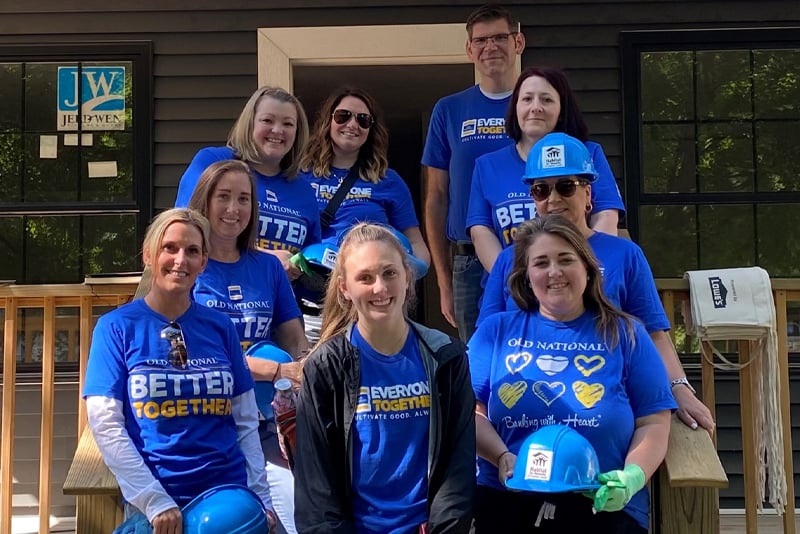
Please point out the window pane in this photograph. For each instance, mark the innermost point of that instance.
(669, 158)
(11, 267)
(725, 157)
(778, 148)
(11, 103)
(110, 244)
(108, 147)
(10, 167)
(50, 179)
(727, 237)
(52, 250)
(723, 84)
(41, 97)
(778, 239)
(777, 86)
(669, 239)
(667, 86)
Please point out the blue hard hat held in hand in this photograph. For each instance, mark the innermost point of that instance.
(419, 267)
(265, 390)
(555, 459)
(316, 261)
(225, 509)
(558, 154)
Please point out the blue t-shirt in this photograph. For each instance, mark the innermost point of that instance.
(499, 200)
(390, 440)
(179, 419)
(627, 282)
(387, 202)
(253, 291)
(530, 372)
(463, 126)
(287, 215)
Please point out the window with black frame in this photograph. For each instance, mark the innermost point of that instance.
(75, 175)
(712, 144)
(73, 198)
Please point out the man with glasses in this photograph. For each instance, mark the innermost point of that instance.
(463, 126)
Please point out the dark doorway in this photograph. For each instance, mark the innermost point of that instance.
(406, 95)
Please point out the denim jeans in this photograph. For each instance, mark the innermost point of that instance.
(467, 292)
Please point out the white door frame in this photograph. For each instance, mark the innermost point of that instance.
(280, 49)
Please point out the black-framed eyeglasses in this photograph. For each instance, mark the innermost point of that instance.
(178, 355)
(566, 188)
(499, 39)
(343, 116)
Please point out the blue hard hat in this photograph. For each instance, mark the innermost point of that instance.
(265, 390)
(555, 459)
(419, 267)
(225, 509)
(321, 255)
(558, 154)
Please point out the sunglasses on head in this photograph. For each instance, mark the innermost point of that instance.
(566, 188)
(178, 355)
(343, 116)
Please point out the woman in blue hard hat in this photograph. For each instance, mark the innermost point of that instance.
(253, 290)
(542, 102)
(269, 135)
(168, 395)
(385, 421)
(568, 356)
(627, 278)
(349, 139)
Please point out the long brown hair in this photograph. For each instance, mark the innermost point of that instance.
(339, 312)
(240, 138)
(594, 298)
(207, 184)
(372, 161)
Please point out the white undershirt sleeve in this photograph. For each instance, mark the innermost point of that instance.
(136, 482)
(245, 413)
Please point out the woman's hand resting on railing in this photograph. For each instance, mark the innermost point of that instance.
(691, 410)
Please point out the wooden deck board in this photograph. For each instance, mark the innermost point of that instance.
(767, 524)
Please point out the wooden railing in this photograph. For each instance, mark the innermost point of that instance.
(19, 331)
(785, 291)
(697, 509)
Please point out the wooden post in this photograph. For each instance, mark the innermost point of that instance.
(708, 389)
(746, 385)
(48, 393)
(9, 394)
(86, 312)
(785, 404)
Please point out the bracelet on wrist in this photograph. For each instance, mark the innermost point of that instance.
(276, 373)
(500, 457)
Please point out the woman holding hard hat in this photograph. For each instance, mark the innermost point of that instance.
(253, 290)
(168, 395)
(569, 357)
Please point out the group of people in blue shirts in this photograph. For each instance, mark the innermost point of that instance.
(559, 319)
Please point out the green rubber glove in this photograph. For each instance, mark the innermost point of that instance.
(299, 261)
(617, 488)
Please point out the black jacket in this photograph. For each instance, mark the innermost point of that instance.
(324, 462)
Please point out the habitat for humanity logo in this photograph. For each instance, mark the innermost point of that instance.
(101, 92)
(719, 293)
(553, 157)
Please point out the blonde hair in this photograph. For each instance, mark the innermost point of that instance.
(207, 184)
(339, 312)
(372, 161)
(158, 227)
(594, 298)
(240, 138)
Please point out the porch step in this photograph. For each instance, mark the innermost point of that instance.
(29, 524)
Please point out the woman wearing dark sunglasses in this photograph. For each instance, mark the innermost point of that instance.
(349, 134)
(627, 278)
(168, 395)
(542, 102)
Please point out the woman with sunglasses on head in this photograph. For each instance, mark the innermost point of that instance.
(626, 275)
(567, 356)
(253, 290)
(542, 102)
(385, 425)
(350, 139)
(168, 393)
(269, 135)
